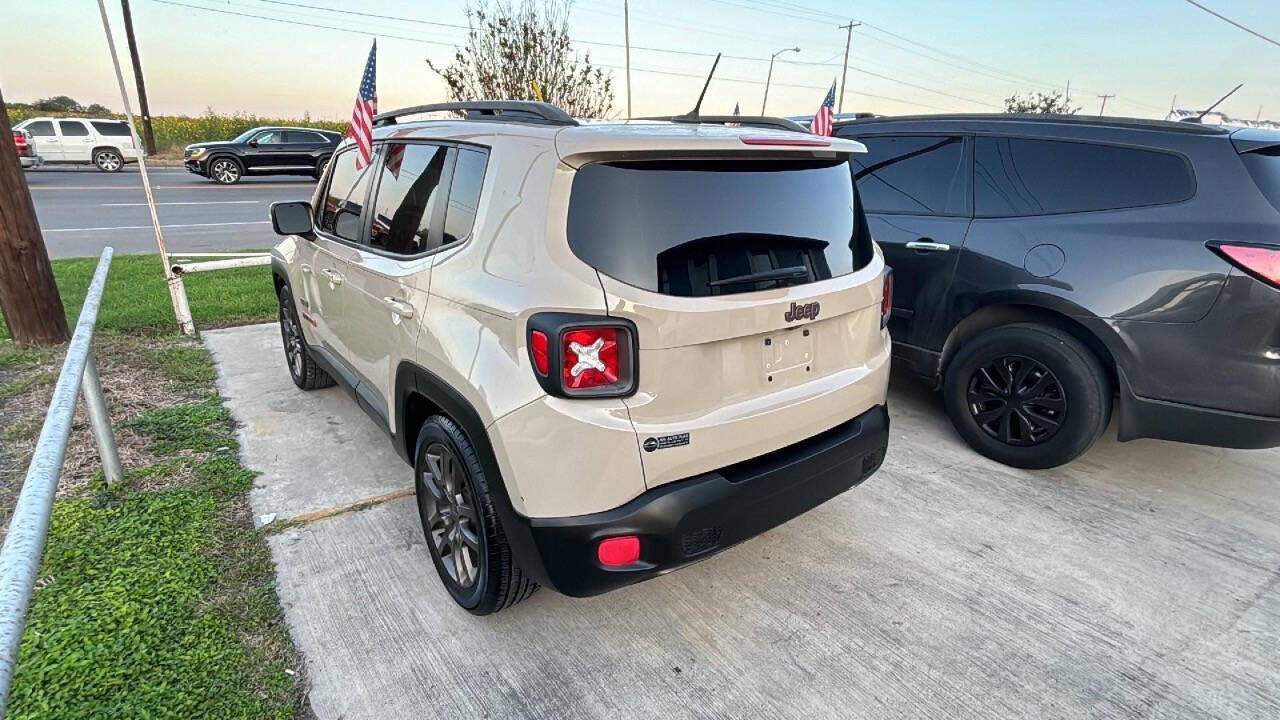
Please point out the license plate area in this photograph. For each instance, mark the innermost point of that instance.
(787, 357)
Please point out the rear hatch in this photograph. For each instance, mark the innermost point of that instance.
(755, 288)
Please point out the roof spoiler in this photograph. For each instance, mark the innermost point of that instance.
(1247, 140)
(524, 111)
(760, 121)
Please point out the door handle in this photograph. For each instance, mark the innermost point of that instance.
(924, 245)
(306, 269)
(398, 306)
(334, 278)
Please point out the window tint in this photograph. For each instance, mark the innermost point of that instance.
(40, 128)
(1017, 176)
(696, 228)
(406, 198)
(464, 194)
(340, 214)
(72, 128)
(270, 137)
(1264, 166)
(917, 175)
(297, 136)
(111, 129)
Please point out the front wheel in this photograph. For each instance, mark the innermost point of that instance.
(225, 171)
(1027, 395)
(108, 160)
(464, 536)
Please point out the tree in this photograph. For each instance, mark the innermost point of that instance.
(97, 109)
(28, 296)
(1055, 103)
(509, 47)
(57, 103)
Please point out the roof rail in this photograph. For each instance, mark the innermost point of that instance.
(526, 111)
(760, 121)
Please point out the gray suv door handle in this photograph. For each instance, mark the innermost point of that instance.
(399, 307)
(928, 246)
(334, 278)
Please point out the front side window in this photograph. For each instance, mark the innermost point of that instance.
(344, 198)
(464, 194)
(41, 128)
(1021, 176)
(693, 228)
(406, 198)
(270, 137)
(111, 129)
(72, 128)
(912, 175)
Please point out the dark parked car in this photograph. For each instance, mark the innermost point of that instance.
(263, 151)
(1046, 267)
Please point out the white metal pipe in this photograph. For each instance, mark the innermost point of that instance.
(185, 255)
(100, 422)
(176, 290)
(254, 261)
(24, 545)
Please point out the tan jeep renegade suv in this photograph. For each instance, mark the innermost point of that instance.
(607, 349)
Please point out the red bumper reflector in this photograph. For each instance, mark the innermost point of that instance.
(538, 351)
(619, 551)
(798, 141)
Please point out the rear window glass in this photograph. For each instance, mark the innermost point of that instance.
(111, 129)
(406, 197)
(1264, 166)
(464, 194)
(696, 228)
(1018, 176)
(912, 175)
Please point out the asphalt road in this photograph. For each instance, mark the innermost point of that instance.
(82, 210)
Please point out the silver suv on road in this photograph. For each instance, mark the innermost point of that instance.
(608, 350)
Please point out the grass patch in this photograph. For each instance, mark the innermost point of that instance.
(136, 299)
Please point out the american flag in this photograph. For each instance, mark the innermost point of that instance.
(826, 114)
(366, 107)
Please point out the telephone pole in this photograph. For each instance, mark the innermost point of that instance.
(148, 137)
(1104, 103)
(626, 29)
(28, 296)
(843, 76)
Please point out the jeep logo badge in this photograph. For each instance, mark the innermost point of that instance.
(807, 311)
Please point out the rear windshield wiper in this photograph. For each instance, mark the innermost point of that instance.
(785, 273)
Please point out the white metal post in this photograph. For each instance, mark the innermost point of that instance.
(100, 422)
(177, 291)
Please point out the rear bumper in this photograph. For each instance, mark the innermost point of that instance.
(30, 161)
(1162, 420)
(685, 521)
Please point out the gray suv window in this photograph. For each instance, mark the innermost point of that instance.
(343, 198)
(912, 175)
(406, 198)
(695, 228)
(1021, 176)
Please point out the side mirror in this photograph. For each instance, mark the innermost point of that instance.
(292, 218)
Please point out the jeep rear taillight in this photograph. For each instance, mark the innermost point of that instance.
(582, 355)
(886, 300)
(1262, 263)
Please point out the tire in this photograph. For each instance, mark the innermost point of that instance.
(108, 160)
(304, 371)
(321, 164)
(1061, 405)
(225, 170)
(454, 496)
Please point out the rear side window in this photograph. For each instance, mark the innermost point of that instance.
(697, 228)
(40, 128)
(1264, 166)
(297, 136)
(408, 188)
(340, 213)
(912, 175)
(1018, 176)
(72, 128)
(464, 194)
(111, 129)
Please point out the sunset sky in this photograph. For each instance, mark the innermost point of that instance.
(912, 56)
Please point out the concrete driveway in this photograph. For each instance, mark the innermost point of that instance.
(1143, 580)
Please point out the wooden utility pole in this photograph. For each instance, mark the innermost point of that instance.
(1105, 98)
(28, 296)
(843, 76)
(148, 137)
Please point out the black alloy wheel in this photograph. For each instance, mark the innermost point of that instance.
(449, 517)
(1017, 400)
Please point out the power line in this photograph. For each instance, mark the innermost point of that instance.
(1229, 21)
